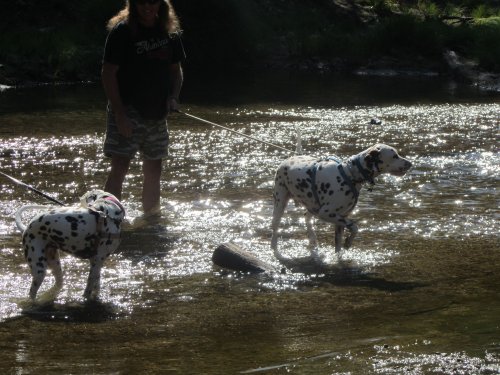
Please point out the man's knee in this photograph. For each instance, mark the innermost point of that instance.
(119, 165)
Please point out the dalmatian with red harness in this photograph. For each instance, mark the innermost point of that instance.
(329, 189)
(90, 230)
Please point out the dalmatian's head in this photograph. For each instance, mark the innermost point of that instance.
(381, 158)
(105, 202)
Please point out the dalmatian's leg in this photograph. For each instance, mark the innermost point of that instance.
(38, 265)
(94, 280)
(353, 231)
(313, 240)
(48, 260)
(342, 222)
(34, 253)
(54, 264)
(339, 234)
(281, 198)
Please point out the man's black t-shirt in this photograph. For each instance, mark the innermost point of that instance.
(143, 58)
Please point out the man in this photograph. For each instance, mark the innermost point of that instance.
(142, 79)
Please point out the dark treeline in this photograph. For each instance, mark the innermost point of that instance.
(60, 40)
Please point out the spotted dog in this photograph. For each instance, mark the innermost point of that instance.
(90, 230)
(329, 188)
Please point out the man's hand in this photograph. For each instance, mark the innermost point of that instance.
(125, 126)
(172, 104)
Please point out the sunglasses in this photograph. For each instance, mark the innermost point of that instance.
(151, 2)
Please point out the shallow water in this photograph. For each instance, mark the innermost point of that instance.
(418, 292)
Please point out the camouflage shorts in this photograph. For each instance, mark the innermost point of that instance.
(149, 137)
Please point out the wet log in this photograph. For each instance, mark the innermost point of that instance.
(233, 257)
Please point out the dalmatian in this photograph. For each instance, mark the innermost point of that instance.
(329, 189)
(90, 230)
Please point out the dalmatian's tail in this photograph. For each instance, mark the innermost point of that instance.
(298, 146)
(19, 215)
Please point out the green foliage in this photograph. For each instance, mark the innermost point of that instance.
(408, 35)
(220, 32)
(384, 6)
(54, 39)
(428, 9)
(483, 11)
(60, 39)
(485, 46)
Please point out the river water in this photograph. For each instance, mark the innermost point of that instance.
(418, 293)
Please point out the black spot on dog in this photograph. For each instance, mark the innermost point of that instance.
(57, 239)
(303, 184)
(90, 237)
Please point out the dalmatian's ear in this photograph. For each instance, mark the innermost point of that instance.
(90, 197)
(372, 159)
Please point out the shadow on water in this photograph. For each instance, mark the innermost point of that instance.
(314, 273)
(346, 278)
(88, 312)
(372, 281)
(142, 244)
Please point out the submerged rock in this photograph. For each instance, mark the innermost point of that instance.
(233, 257)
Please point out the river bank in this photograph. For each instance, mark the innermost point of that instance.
(57, 42)
(452, 68)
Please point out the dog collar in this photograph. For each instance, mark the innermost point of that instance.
(115, 201)
(101, 216)
(367, 176)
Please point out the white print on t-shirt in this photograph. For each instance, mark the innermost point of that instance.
(145, 46)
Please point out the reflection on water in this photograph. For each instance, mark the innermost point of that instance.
(417, 293)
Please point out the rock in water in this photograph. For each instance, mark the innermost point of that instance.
(231, 256)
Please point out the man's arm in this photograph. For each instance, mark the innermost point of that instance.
(176, 79)
(110, 84)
